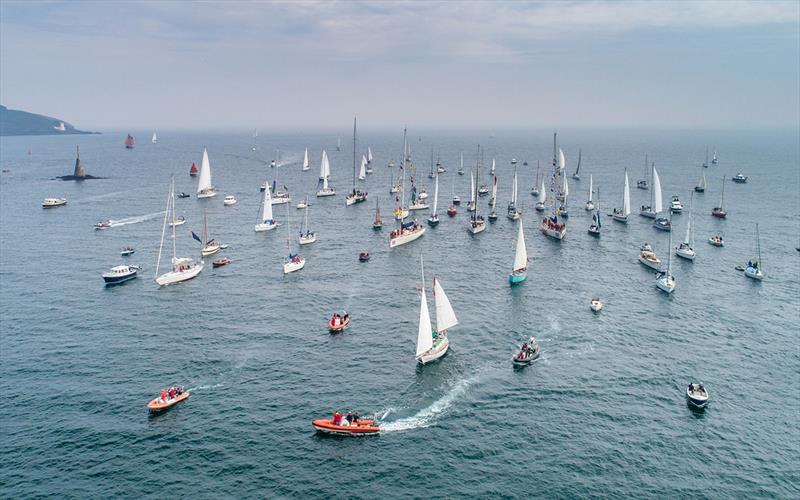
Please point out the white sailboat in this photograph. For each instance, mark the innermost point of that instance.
(362, 171)
(182, 268)
(650, 211)
(701, 183)
(306, 164)
(519, 271)
(665, 281)
(306, 235)
(476, 223)
(686, 249)
(551, 225)
(493, 200)
(461, 168)
(293, 261)
(407, 231)
(541, 202)
(154, 140)
(513, 212)
(494, 165)
(432, 345)
(642, 183)
(621, 214)
(754, 270)
(594, 227)
(472, 195)
(205, 189)
(433, 220)
(662, 223)
(209, 246)
(589, 203)
(577, 174)
(356, 195)
(267, 220)
(369, 154)
(324, 172)
(255, 136)
(535, 189)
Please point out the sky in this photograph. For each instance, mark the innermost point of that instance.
(478, 65)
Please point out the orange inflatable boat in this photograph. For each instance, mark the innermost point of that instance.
(336, 327)
(359, 428)
(159, 405)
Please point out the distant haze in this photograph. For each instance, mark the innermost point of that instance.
(160, 65)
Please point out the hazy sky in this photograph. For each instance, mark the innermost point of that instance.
(164, 64)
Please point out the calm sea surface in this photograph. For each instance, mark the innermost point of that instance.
(601, 413)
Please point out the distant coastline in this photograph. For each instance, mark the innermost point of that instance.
(16, 122)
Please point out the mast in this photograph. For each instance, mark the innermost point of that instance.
(722, 201)
(436, 195)
(477, 176)
(687, 239)
(669, 251)
(424, 332)
(354, 154)
(758, 249)
(164, 226)
(577, 170)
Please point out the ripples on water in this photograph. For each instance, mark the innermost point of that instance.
(601, 412)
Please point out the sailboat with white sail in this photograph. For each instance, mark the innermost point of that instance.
(577, 174)
(701, 182)
(204, 187)
(754, 269)
(255, 136)
(369, 154)
(182, 268)
(519, 271)
(642, 183)
(433, 220)
(589, 203)
(476, 223)
(293, 260)
(432, 345)
(551, 225)
(306, 164)
(594, 228)
(686, 248)
(656, 202)
(472, 193)
(401, 210)
(267, 221)
(719, 212)
(541, 201)
(362, 171)
(714, 159)
(662, 223)
(461, 168)
(493, 200)
(513, 211)
(154, 140)
(407, 231)
(665, 281)
(307, 236)
(535, 188)
(356, 195)
(324, 172)
(621, 214)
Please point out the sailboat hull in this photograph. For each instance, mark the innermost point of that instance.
(307, 240)
(290, 267)
(517, 277)
(437, 351)
(407, 237)
(687, 254)
(173, 277)
(752, 273)
(264, 226)
(665, 285)
(321, 193)
(206, 194)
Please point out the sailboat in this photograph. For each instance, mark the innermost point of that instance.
(519, 271)
(253, 145)
(407, 231)
(279, 197)
(193, 170)
(513, 212)
(208, 246)
(665, 281)
(594, 228)
(378, 222)
(589, 204)
(439, 167)
(550, 224)
(339, 143)
(204, 187)
(686, 249)
(154, 140)
(307, 236)
(494, 165)
(662, 223)
(356, 195)
(129, 142)
(701, 183)
(714, 159)
(182, 268)
(401, 211)
(267, 221)
(432, 345)
(535, 188)
(476, 222)
(562, 163)
(621, 214)
(754, 269)
(432, 173)
(493, 200)
(324, 172)
(563, 195)
(461, 168)
(719, 212)
(472, 193)
(306, 165)
(433, 220)
(293, 261)
(577, 174)
(369, 154)
(541, 201)
(656, 202)
(705, 163)
(642, 183)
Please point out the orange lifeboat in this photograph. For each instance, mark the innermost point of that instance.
(357, 428)
(159, 404)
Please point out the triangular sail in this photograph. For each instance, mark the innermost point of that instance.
(562, 162)
(204, 182)
(369, 154)
(424, 332)
(445, 316)
(471, 187)
(591, 187)
(543, 193)
(435, 195)
(322, 165)
(325, 170)
(521, 254)
(305, 160)
(626, 196)
(513, 188)
(578, 170)
(494, 189)
(494, 165)
(362, 172)
(266, 210)
(657, 201)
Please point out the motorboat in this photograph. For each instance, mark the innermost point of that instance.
(183, 195)
(528, 352)
(303, 204)
(596, 305)
(675, 206)
(423, 194)
(363, 256)
(106, 224)
(452, 211)
(456, 200)
(716, 240)
(338, 323)
(229, 200)
(741, 179)
(165, 402)
(120, 274)
(221, 262)
(345, 428)
(54, 202)
(697, 395)
(648, 257)
(483, 190)
(663, 224)
(127, 251)
(178, 221)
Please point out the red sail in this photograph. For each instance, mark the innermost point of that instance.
(193, 170)
(129, 141)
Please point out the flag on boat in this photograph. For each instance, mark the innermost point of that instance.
(196, 237)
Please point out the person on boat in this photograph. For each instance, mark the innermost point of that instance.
(525, 346)
(171, 392)
(346, 317)
(349, 417)
(337, 418)
(356, 416)
(163, 395)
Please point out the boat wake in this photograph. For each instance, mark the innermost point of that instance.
(135, 220)
(204, 387)
(427, 416)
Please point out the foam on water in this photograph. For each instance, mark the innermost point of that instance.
(135, 220)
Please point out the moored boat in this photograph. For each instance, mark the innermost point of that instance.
(267, 220)
(519, 270)
(120, 274)
(665, 281)
(127, 251)
(221, 262)
(54, 202)
(741, 179)
(193, 170)
(648, 257)
(716, 240)
(697, 395)
(754, 269)
(621, 214)
(363, 256)
(204, 187)
(182, 268)
(719, 212)
(229, 200)
(596, 305)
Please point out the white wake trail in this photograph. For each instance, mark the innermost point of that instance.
(428, 416)
(135, 220)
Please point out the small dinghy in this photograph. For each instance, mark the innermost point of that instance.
(168, 398)
(221, 262)
(106, 224)
(596, 305)
(697, 395)
(716, 241)
(739, 268)
(183, 195)
(741, 179)
(338, 322)
(341, 426)
(178, 221)
(127, 251)
(363, 256)
(528, 352)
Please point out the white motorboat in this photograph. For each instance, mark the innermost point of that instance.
(432, 345)
(697, 395)
(741, 179)
(120, 274)
(596, 305)
(229, 200)
(716, 240)
(53, 202)
(204, 187)
(648, 257)
(675, 206)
